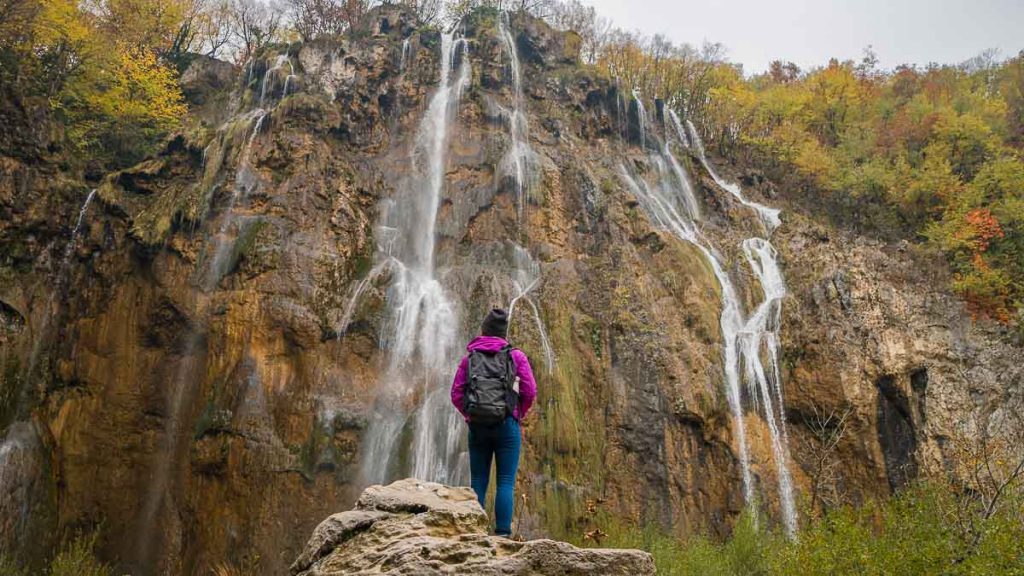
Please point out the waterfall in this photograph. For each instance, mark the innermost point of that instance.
(245, 181)
(685, 187)
(526, 278)
(279, 63)
(678, 127)
(620, 108)
(765, 387)
(663, 206)
(672, 206)
(78, 225)
(59, 285)
(421, 330)
(769, 216)
(519, 160)
(64, 269)
(641, 113)
(185, 383)
(22, 457)
(405, 55)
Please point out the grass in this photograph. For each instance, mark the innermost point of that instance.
(915, 532)
(75, 558)
(746, 552)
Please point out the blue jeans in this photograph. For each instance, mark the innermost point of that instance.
(501, 442)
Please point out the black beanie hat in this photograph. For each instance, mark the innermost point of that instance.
(496, 323)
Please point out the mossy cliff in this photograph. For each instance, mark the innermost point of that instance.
(185, 388)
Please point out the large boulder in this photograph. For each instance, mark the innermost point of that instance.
(205, 78)
(423, 528)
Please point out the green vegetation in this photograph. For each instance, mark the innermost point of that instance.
(75, 558)
(920, 531)
(104, 68)
(932, 155)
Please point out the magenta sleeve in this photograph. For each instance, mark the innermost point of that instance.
(459, 388)
(527, 384)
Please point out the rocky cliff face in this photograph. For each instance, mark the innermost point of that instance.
(196, 368)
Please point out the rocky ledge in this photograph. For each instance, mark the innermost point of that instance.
(423, 528)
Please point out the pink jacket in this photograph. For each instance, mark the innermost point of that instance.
(527, 384)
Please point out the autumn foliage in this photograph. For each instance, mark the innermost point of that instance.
(932, 155)
(104, 69)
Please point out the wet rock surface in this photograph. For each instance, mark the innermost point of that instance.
(414, 527)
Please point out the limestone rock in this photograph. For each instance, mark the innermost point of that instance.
(423, 528)
(333, 531)
(205, 77)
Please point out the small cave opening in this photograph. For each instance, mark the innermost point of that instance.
(919, 385)
(896, 433)
(11, 321)
(386, 101)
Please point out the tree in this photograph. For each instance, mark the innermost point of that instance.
(428, 12)
(115, 92)
(1011, 87)
(205, 28)
(152, 25)
(585, 21)
(315, 18)
(989, 452)
(783, 72)
(456, 10)
(835, 93)
(118, 110)
(255, 24)
(821, 458)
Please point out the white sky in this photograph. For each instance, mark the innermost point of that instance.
(810, 32)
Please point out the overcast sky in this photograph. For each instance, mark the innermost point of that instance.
(810, 32)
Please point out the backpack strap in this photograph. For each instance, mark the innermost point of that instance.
(511, 396)
(469, 364)
(510, 365)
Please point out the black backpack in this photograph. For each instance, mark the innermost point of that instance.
(490, 397)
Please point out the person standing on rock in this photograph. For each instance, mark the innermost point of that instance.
(493, 390)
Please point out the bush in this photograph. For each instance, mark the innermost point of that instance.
(916, 532)
(76, 559)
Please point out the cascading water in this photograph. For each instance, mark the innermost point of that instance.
(268, 76)
(769, 216)
(520, 162)
(761, 331)
(20, 443)
(519, 159)
(662, 204)
(22, 457)
(671, 205)
(680, 133)
(420, 335)
(405, 55)
(641, 113)
(245, 181)
(620, 109)
(525, 280)
(210, 270)
(78, 226)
